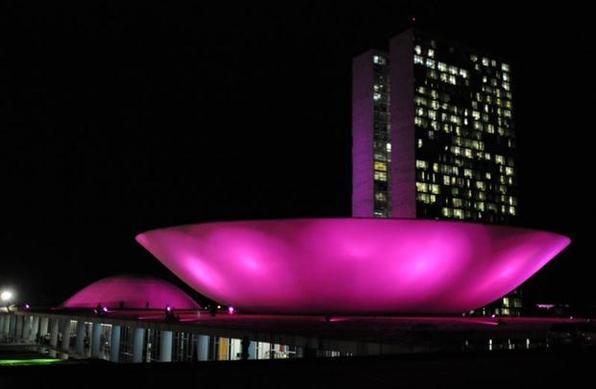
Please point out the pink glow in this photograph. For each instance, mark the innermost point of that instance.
(134, 292)
(353, 266)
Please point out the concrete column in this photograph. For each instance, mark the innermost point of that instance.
(138, 343)
(165, 346)
(4, 325)
(202, 346)
(249, 349)
(66, 329)
(24, 320)
(43, 326)
(19, 327)
(54, 333)
(96, 341)
(7, 325)
(13, 327)
(80, 342)
(27, 327)
(34, 328)
(115, 344)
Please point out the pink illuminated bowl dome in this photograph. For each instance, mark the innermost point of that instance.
(353, 266)
(131, 292)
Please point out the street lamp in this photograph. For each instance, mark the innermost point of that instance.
(6, 296)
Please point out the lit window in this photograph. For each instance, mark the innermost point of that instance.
(381, 166)
(505, 67)
(418, 60)
(421, 164)
(379, 60)
(420, 101)
(380, 196)
(418, 49)
(431, 53)
(380, 176)
(421, 187)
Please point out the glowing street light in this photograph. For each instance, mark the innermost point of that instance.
(6, 296)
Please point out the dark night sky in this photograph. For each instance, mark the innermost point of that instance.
(115, 119)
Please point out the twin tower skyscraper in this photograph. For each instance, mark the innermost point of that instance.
(433, 135)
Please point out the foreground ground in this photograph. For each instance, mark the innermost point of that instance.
(496, 369)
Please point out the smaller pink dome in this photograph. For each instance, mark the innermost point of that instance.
(131, 292)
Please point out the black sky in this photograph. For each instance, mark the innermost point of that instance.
(116, 118)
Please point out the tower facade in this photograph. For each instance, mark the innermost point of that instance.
(433, 135)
